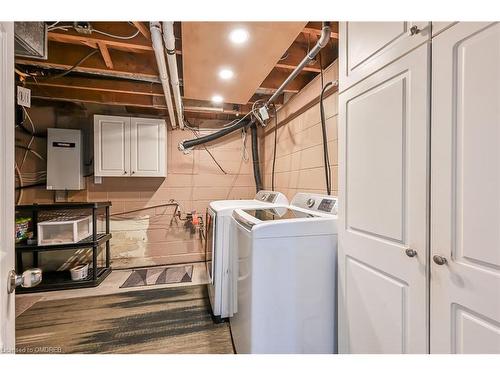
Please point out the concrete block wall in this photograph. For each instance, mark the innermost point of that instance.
(299, 163)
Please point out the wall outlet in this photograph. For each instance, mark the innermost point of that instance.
(23, 96)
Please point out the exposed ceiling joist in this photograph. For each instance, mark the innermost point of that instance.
(105, 85)
(124, 98)
(137, 44)
(141, 66)
(278, 76)
(317, 32)
(142, 29)
(105, 55)
(293, 56)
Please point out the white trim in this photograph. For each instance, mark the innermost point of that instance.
(7, 310)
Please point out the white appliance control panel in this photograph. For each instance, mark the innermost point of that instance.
(271, 197)
(316, 202)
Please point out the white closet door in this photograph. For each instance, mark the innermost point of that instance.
(111, 146)
(465, 195)
(383, 134)
(148, 155)
(365, 47)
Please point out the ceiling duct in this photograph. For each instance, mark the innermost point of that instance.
(30, 40)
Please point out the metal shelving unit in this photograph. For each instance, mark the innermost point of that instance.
(59, 280)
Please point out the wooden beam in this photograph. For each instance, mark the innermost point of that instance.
(136, 44)
(278, 76)
(317, 32)
(102, 84)
(105, 55)
(128, 99)
(294, 55)
(142, 29)
(141, 66)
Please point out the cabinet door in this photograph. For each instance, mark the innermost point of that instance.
(111, 146)
(465, 195)
(148, 151)
(365, 47)
(383, 148)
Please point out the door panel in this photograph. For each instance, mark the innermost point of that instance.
(111, 145)
(7, 121)
(365, 47)
(383, 151)
(379, 328)
(379, 209)
(147, 147)
(465, 292)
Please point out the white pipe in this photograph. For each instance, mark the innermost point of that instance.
(156, 39)
(169, 39)
(322, 42)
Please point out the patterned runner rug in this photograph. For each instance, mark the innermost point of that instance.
(159, 275)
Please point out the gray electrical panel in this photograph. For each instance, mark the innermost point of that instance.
(65, 159)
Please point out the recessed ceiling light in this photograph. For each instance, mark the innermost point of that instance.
(238, 36)
(226, 73)
(217, 99)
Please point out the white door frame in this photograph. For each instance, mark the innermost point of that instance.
(7, 185)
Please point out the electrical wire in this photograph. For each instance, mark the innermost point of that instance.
(91, 29)
(116, 36)
(32, 137)
(21, 184)
(192, 129)
(52, 25)
(275, 143)
(244, 151)
(81, 61)
(328, 171)
(28, 149)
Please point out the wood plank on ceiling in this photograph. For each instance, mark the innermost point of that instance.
(206, 49)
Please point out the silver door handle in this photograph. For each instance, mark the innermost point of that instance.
(28, 279)
(439, 260)
(411, 253)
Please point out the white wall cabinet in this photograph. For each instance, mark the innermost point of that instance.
(465, 195)
(419, 214)
(365, 47)
(128, 146)
(383, 138)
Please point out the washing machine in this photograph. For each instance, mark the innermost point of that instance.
(217, 247)
(286, 286)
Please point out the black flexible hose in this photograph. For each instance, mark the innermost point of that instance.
(255, 157)
(184, 145)
(328, 172)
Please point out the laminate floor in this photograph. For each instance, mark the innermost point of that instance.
(167, 320)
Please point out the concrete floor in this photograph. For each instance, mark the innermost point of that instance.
(110, 285)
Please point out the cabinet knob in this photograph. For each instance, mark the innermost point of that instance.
(411, 253)
(132, 172)
(439, 260)
(125, 172)
(414, 30)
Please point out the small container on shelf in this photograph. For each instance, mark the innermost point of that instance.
(79, 272)
(64, 230)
